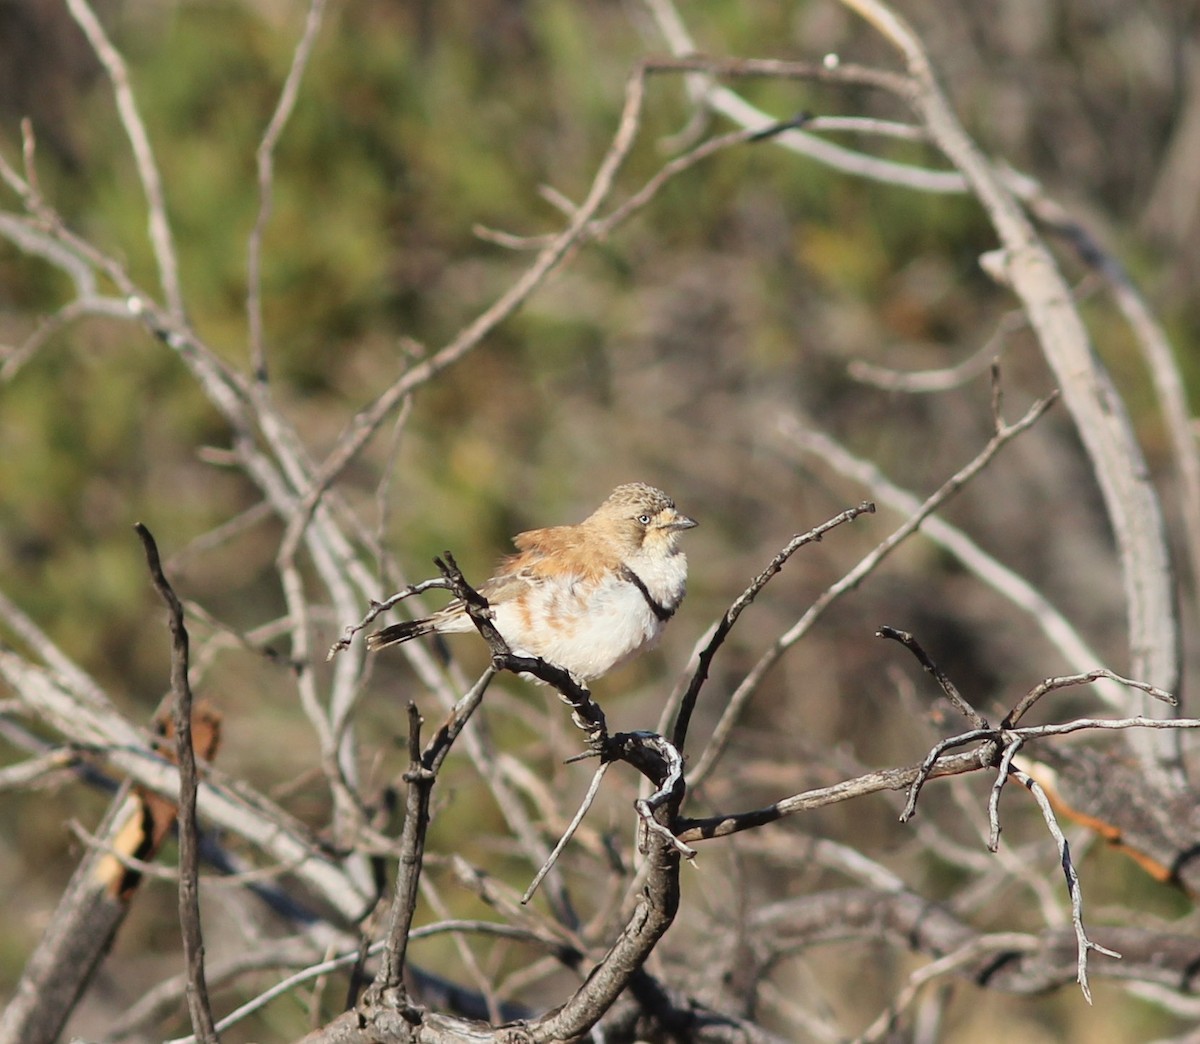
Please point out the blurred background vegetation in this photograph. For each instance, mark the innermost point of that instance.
(663, 355)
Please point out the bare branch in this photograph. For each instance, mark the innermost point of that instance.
(1050, 684)
(388, 991)
(1149, 335)
(378, 608)
(1011, 750)
(576, 820)
(749, 684)
(1088, 391)
(986, 754)
(690, 830)
(947, 686)
(1104, 724)
(189, 858)
(685, 699)
(1017, 590)
(731, 105)
(1064, 850)
(159, 227)
(265, 158)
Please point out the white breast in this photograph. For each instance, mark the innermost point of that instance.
(590, 629)
(665, 576)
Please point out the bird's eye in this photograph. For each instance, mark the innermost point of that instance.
(644, 519)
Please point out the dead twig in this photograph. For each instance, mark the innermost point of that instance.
(749, 684)
(189, 857)
(947, 686)
(388, 990)
(686, 702)
(1083, 943)
(378, 608)
(265, 159)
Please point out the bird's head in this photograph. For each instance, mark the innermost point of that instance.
(641, 519)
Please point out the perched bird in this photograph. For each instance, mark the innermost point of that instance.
(585, 597)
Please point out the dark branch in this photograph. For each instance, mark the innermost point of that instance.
(700, 676)
(387, 992)
(382, 607)
(189, 845)
(947, 686)
(586, 713)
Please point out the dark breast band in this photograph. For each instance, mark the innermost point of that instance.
(656, 607)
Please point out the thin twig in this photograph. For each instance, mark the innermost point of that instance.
(945, 378)
(159, 227)
(1083, 943)
(686, 702)
(749, 684)
(1002, 772)
(1057, 629)
(1065, 681)
(189, 846)
(601, 228)
(947, 686)
(705, 91)
(388, 989)
(843, 73)
(689, 830)
(382, 607)
(265, 158)
(986, 754)
(1105, 725)
(576, 820)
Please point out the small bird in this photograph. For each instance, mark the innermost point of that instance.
(584, 597)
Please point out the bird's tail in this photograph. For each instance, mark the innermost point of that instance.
(400, 632)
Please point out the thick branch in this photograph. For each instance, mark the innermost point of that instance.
(1088, 392)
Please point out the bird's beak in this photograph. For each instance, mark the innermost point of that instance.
(681, 522)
